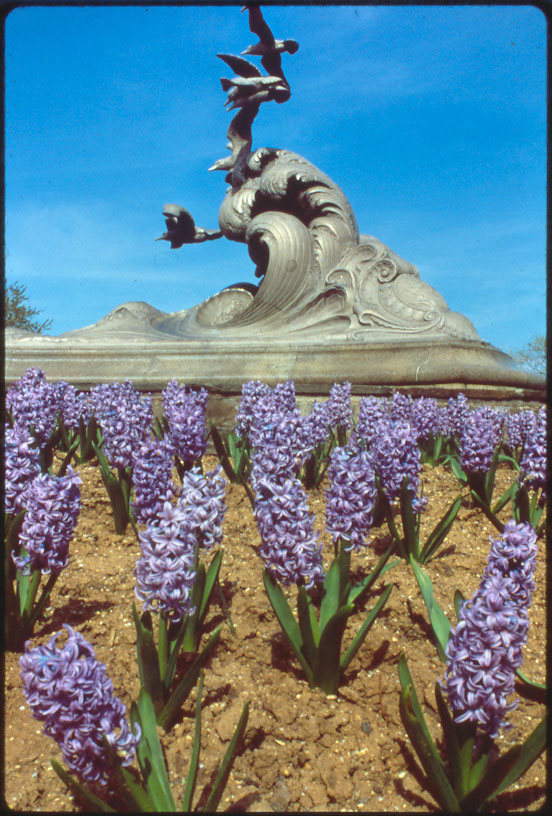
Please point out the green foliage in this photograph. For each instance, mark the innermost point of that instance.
(316, 640)
(472, 774)
(18, 314)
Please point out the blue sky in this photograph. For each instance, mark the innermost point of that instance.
(431, 119)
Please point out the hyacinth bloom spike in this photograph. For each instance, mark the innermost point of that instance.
(251, 392)
(184, 412)
(125, 418)
(290, 547)
(533, 459)
(205, 496)
(34, 403)
(340, 410)
(396, 455)
(165, 572)
(351, 498)
(485, 648)
(69, 690)
(22, 464)
(400, 408)
(370, 411)
(152, 479)
(53, 506)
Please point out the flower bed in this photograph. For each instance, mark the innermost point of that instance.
(302, 749)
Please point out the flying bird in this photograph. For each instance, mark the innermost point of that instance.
(181, 228)
(267, 48)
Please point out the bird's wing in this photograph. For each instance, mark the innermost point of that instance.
(258, 26)
(240, 66)
(185, 219)
(272, 63)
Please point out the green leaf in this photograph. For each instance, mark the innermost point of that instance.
(487, 510)
(287, 621)
(174, 703)
(148, 659)
(133, 791)
(533, 683)
(365, 628)
(35, 613)
(457, 747)
(531, 749)
(504, 458)
(151, 759)
(440, 531)
(411, 540)
(305, 613)
(457, 470)
(491, 475)
(27, 586)
(327, 670)
(80, 790)
(458, 601)
(505, 498)
(222, 454)
(194, 758)
(424, 746)
(212, 575)
(488, 788)
(226, 765)
(330, 598)
(192, 632)
(439, 621)
(384, 501)
(359, 591)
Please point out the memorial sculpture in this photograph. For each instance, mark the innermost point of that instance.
(320, 277)
(325, 289)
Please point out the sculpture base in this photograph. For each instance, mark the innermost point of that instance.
(429, 366)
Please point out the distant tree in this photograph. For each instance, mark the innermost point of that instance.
(18, 314)
(532, 357)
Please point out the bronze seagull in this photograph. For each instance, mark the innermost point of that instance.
(181, 228)
(267, 48)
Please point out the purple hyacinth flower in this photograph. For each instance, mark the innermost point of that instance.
(72, 404)
(485, 648)
(278, 437)
(251, 392)
(316, 425)
(290, 548)
(33, 401)
(339, 405)
(284, 396)
(518, 426)
(53, 506)
(457, 411)
(400, 407)
(165, 573)
(534, 457)
(370, 411)
(185, 414)
(351, 497)
(478, 440)
(425, 418)
(152, 478)
(205, 496)
(395, 454)
(22, 464)
(69, 690)
(125, 417)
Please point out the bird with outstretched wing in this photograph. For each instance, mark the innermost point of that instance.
(181, 228)
(267, 48)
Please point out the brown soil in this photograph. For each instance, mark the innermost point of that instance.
(303, 751)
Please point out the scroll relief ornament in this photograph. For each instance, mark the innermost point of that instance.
(319, 277)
